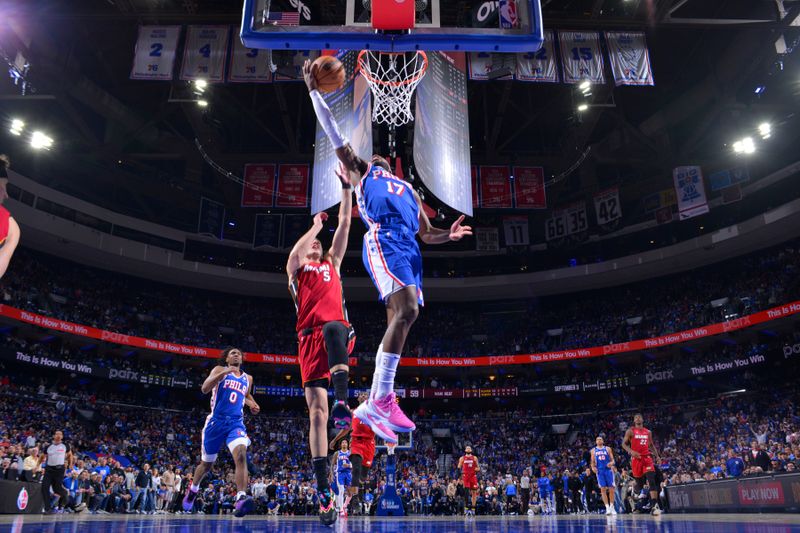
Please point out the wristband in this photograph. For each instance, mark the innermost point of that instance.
(347, 187)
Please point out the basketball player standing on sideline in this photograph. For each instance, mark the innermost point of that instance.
(325, 337)
(638, 442)
(231, 389)
(9, 230)
(468, 464)
(393, 213)
(603, 467)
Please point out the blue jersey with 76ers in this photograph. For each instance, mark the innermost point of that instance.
(386, 200)
(601, 457)
(227, 398)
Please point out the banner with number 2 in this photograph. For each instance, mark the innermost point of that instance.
(154, 58)
(205, 53)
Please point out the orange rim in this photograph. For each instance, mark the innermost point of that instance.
(365, 71)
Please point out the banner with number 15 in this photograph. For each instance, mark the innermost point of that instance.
(154, 57)
(205, 53)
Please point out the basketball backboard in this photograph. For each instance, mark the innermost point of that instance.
(444, 25)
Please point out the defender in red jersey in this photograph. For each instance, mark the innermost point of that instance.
(362, 450)
(638, 442)
(468, 464)
(325, 337)
(9, 230)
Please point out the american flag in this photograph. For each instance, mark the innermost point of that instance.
(284, 18)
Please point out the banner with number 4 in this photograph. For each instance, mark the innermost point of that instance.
(154, 58)
(204, 53)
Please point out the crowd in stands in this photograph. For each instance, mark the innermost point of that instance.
(128, 305)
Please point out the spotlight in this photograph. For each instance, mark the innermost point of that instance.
(748, 145)
(584, 85)
(39, 141)
(17, 126)
(760, 90)
(200, 86)
(583, 107)
(202, 103)
(738, 147)
(765, 129)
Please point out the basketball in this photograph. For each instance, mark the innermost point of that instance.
(330, 74)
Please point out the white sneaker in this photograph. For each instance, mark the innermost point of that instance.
(613, 511)
(608, 510)
(656, 511)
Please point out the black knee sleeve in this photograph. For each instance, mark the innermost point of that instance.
(651, 481)
(336, 336)
(358, 469)
(638, 484)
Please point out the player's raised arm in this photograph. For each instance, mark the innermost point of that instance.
(216, 375)
(339, 244)
(344, 151)
(295, 256)
(431, 235)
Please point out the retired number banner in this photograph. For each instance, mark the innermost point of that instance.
(249, 65)
(581, 57)
(154, 58)
(495, 187)
(529, 188)
(515, 231)
(482, 63)
(539, 66)
(204, 53)
(292, 186)
(606, 206)
(258, 186)
(691, 192)
(630, 58)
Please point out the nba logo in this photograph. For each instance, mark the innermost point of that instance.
(508, 14)
(22, 499)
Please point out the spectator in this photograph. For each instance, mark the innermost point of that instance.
(734, 466)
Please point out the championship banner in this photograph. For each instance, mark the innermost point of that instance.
(211, 220)
(581, 57)
(258, 186)
(496, 187)
(204, 53)
(154, 57)
(690, 191)
(267, 231)
(529, 189)
(744, 322)
(481, 64)
(292, 186)
(487, 240)
(475, 197)
(516, 231)
(660, 199)
(441, 131)
(539, 66)
(249, 65)
(630, 58)
(352, 108)
(607, 207)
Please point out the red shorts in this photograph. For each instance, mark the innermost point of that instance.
(471, 482)
(642, 465)
(365, 448)
(313, 357)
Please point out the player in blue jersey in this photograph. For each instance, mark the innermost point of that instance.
(392, 211)
(603, 467)
(344, 475)
(546, 498)
(231, 389)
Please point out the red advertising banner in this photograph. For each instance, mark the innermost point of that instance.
(710, 330)
(259, 185)
(292, 186)
(475, 201)
(495, 187)
(529, 188)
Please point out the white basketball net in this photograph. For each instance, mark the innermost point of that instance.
(392, 78)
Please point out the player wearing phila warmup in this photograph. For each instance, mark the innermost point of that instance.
(468, 464)
(344, 476)
(638, 442)
(325, 337)
(603, 467)
(362, 452)
(393, 214)
(231, 389)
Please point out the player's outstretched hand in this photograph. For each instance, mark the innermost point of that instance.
(309, 75)
(320, 218)
(457, 231)
(343, 174)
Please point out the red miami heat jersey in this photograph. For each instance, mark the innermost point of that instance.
(361, 430)
(317, 293)
(468, 465)
(4, 221)
(640, 442)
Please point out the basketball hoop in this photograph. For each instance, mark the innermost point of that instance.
(392, 78)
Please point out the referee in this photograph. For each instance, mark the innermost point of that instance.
(58, 458)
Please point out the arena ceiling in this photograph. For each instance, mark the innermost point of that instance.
(130, 145)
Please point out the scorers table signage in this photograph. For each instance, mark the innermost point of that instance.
(764, 493)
